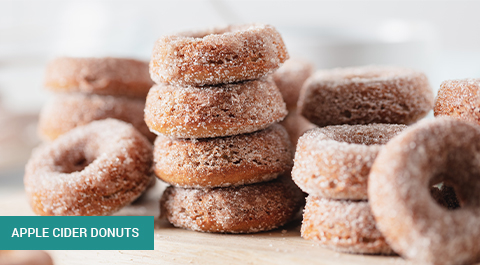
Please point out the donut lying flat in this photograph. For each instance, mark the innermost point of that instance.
(365, 95)
(67, 111)
(289, 79)
(459, 99)
(104, 76)
(213, 111)
(223, 161)
(92, 170)
(217, 56)
(25, 257)
(334, 162)
(346, 226)
(244, 209)
(413, 223)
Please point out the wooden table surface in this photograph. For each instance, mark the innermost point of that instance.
(178, 246)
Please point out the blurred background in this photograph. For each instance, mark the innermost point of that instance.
(440, 38)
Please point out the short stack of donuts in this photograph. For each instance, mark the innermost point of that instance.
(359, 110)
(89, 89)
(214, 109)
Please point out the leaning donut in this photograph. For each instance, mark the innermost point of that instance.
(334, 162)
(413, 223)
(365, 95)
(217, 56)
(342, 225)
(459, 99)
(67, 111)
(213, 111)
(243, 209)
(223, 161)
(92, 170)
(104, 76)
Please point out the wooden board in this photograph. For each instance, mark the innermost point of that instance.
(178, 246)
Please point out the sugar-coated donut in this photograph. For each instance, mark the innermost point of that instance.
(289, 79)
(92, 170)
(296, 125)
(218, 55)
(364, 95)
(224, 161)
(459, 99)
(25, 257)
(413, 223)
(334, 162)
(213, 111)
(243, 209)
(105, 76)
(342, 225)
(67, 111)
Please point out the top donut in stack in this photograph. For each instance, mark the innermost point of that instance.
(89, 89)
(214, 109)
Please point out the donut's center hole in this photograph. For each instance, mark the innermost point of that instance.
(73, 161)
(445, 196)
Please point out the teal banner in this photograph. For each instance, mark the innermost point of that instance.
(76, 232)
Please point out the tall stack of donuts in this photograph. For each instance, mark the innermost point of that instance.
(360, 109)
(214, 109)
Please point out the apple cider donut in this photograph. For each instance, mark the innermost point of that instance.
(334, 162)
(217, 56)
(213, 111)
(364, 95)
(459, 99)
(67, 111)
(289, 79)
(443, 150)
(342, 225)
(224, 161)
(243, 209)
(104, 76)
(94, 169)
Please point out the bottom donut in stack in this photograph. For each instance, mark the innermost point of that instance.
(228, 184)
(332, 165)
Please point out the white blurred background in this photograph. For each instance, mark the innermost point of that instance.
(440, 38)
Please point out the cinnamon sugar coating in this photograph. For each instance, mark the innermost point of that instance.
(413, 223)
(364, 95)
(334, 162)
(345, 226)
(68, 111)
(289, 79)
(459, 99)
(218, 55)
(104, 76)
(213, 111)
(94, 169)
(243, 209)
(224, 161)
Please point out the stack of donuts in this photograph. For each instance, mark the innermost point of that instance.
(214, 109)
(89, 89)
(360, 109)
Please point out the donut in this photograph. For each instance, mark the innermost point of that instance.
(342, 225)
(364, 95)
(289, 79)
(224, 110)
(218, 55)
(224, 161)
(104, 76)
(443, 150)
(334, 162)
(459, 99)
(25, 257)
(92, 170)
(243, 209)
(69, 110)
(296, 125)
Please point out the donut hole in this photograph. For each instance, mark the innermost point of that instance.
(445, 196)
(75, 159)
